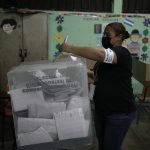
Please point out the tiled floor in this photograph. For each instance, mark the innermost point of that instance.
(138, 138)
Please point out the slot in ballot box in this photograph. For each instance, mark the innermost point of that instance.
(50, 103)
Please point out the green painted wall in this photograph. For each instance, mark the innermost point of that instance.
(86, 29)
(81, 28)
(117, 6)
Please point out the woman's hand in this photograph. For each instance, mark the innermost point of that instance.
(65, 48)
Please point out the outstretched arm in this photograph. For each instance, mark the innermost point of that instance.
(96, 54)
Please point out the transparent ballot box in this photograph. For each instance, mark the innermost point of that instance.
(50, 103)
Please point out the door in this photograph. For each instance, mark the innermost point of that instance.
(35, 36)
(10, 43)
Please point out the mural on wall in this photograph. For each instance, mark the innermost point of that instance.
(8, 25)
(145, 41)
(59, 37)
(134, 46)
(86, 29)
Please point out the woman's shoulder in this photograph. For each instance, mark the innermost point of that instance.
(123, 55)
(121, 49)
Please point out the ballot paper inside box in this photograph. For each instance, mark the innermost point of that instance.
(50, 104)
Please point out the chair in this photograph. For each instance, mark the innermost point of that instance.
(6, 113)
(143, 102)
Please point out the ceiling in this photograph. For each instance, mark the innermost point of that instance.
(129, 6)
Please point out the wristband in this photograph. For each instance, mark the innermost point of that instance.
(109, 56)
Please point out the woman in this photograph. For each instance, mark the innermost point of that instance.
(113, 96)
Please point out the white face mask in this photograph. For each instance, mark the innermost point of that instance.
(7, 28)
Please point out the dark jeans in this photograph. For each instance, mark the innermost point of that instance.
(111, 130)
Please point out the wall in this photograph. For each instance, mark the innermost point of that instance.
(38, 32)
(81, 30)
(30, 34)
(86, 29)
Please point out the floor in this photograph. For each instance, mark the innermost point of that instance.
(138, 137)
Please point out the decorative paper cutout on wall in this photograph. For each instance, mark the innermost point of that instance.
(8, 25)
(146, 22)
(144, 48)
(58, 46)
(59, 28)
(134, 46)
(145, 32)
(144, 56)
(145, 40)
(60, 19)
(56, 54)
(128, 22)
(59, 37)
(97, 28)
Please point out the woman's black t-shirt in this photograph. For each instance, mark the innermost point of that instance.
(113, 91)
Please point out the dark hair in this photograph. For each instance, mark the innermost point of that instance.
(9, 21)
(135, 31)
(119, 29)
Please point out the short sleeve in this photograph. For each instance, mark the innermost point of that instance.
(123, 55)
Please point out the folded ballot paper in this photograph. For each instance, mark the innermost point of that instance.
(21, 99)
(38, 136)
(31, 124)
(80, 102)
(34, 127)
(45, 110)
(71, 124)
